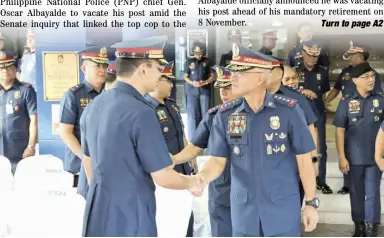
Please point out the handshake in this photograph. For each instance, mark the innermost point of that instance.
(196, 184)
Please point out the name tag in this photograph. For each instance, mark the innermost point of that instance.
(9, 109)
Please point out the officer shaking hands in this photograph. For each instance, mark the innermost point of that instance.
(171, 122)
(264, 174)
(198, 76)
(86, 168)
(357, 122)
(120, 126)
(18, 117)
(219, 205)
(75, 100)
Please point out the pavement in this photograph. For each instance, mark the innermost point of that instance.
(331, 230)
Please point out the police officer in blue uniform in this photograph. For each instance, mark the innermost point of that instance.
(314, 82)
(171, 122)
(18, 117)
(264, 174)
(198, 76)
(269, 42)
(120, 126)
(219, 205)
(27, 67)
(295, 57)
(275, 87)
(357, 53)
(85, 170)
(234, 36)
(94, 65)
(357, 120)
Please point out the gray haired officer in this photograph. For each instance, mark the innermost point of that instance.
(264, 174)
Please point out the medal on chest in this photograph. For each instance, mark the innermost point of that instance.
(84, 102)
(237, 125)
(354, 106)
(162, 115)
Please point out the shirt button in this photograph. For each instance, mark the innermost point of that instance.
(237, 195)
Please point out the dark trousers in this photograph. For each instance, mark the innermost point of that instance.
(323, 148)
(75, 180)
(197, 107)
(346, 180)
(364, 192)
(190, 226)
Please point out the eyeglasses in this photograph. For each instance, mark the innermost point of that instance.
(239, 74)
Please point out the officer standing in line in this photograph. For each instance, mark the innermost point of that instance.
(198, 76)
(18, 117)
(264, 174)
(86, 169)
(357, 54)
(27, 68)
(94, 65)
(275, 87)
(357, 122)
(234, 37)
(314, 83)
(171, 122)
(219, 205)
(121, 200)
(295, 57)
(269, 42)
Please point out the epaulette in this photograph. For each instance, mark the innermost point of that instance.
(286, 101)
(214, 109)
(77, 87)
(231, 104)
(26, 84)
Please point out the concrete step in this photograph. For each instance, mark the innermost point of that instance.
(338, 218)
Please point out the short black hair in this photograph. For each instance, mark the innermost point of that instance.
(125, 67)
(110, 78)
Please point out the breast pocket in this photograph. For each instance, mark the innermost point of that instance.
(167, 129)
(276, 144)
(376, 116)
(238, 147)
(354, 119)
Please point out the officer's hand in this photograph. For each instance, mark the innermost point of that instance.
(309, 93)
(343, 165)
(196, 84)
(380, 164)
(196, 185)
(310, 218)
(28, 152)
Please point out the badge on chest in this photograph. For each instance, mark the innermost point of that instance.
(237, 125)
(162, 115)
(84, 102)
(354, 106)
(275, 141)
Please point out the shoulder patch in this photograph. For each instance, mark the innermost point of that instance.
(214, 109)
(224, 107)
(77, 87)
(283, 100)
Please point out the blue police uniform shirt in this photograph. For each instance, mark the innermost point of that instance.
(71, 107)
(361, 118)
(265, 144)
(172, 127)
(27, 68)
(198, 70)
(316, 80)
(17, 104)
(295, 58)
(345, 84)
(126, 143)
(309, 114)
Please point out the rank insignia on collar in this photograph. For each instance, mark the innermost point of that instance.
(375, 103)
(17, 95)
(161, 115)
(269, 137)
(237, 125)
(274, 122)
(354, 106)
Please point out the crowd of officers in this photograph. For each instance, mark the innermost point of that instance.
(266, 142)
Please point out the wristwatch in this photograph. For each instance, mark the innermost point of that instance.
(316, 159)
(31, 147)
(313, 203)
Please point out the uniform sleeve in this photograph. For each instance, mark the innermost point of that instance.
(338, 82)
(148, 133)
(310, 116)
(378, 87)
(341, 116)
(83, 119)
(201, 136)
(187, 70)
(68, 109)
(301, 138)
(217, 143)
(325, 85)
(382, 126)
(31, 101)
(209, 65)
